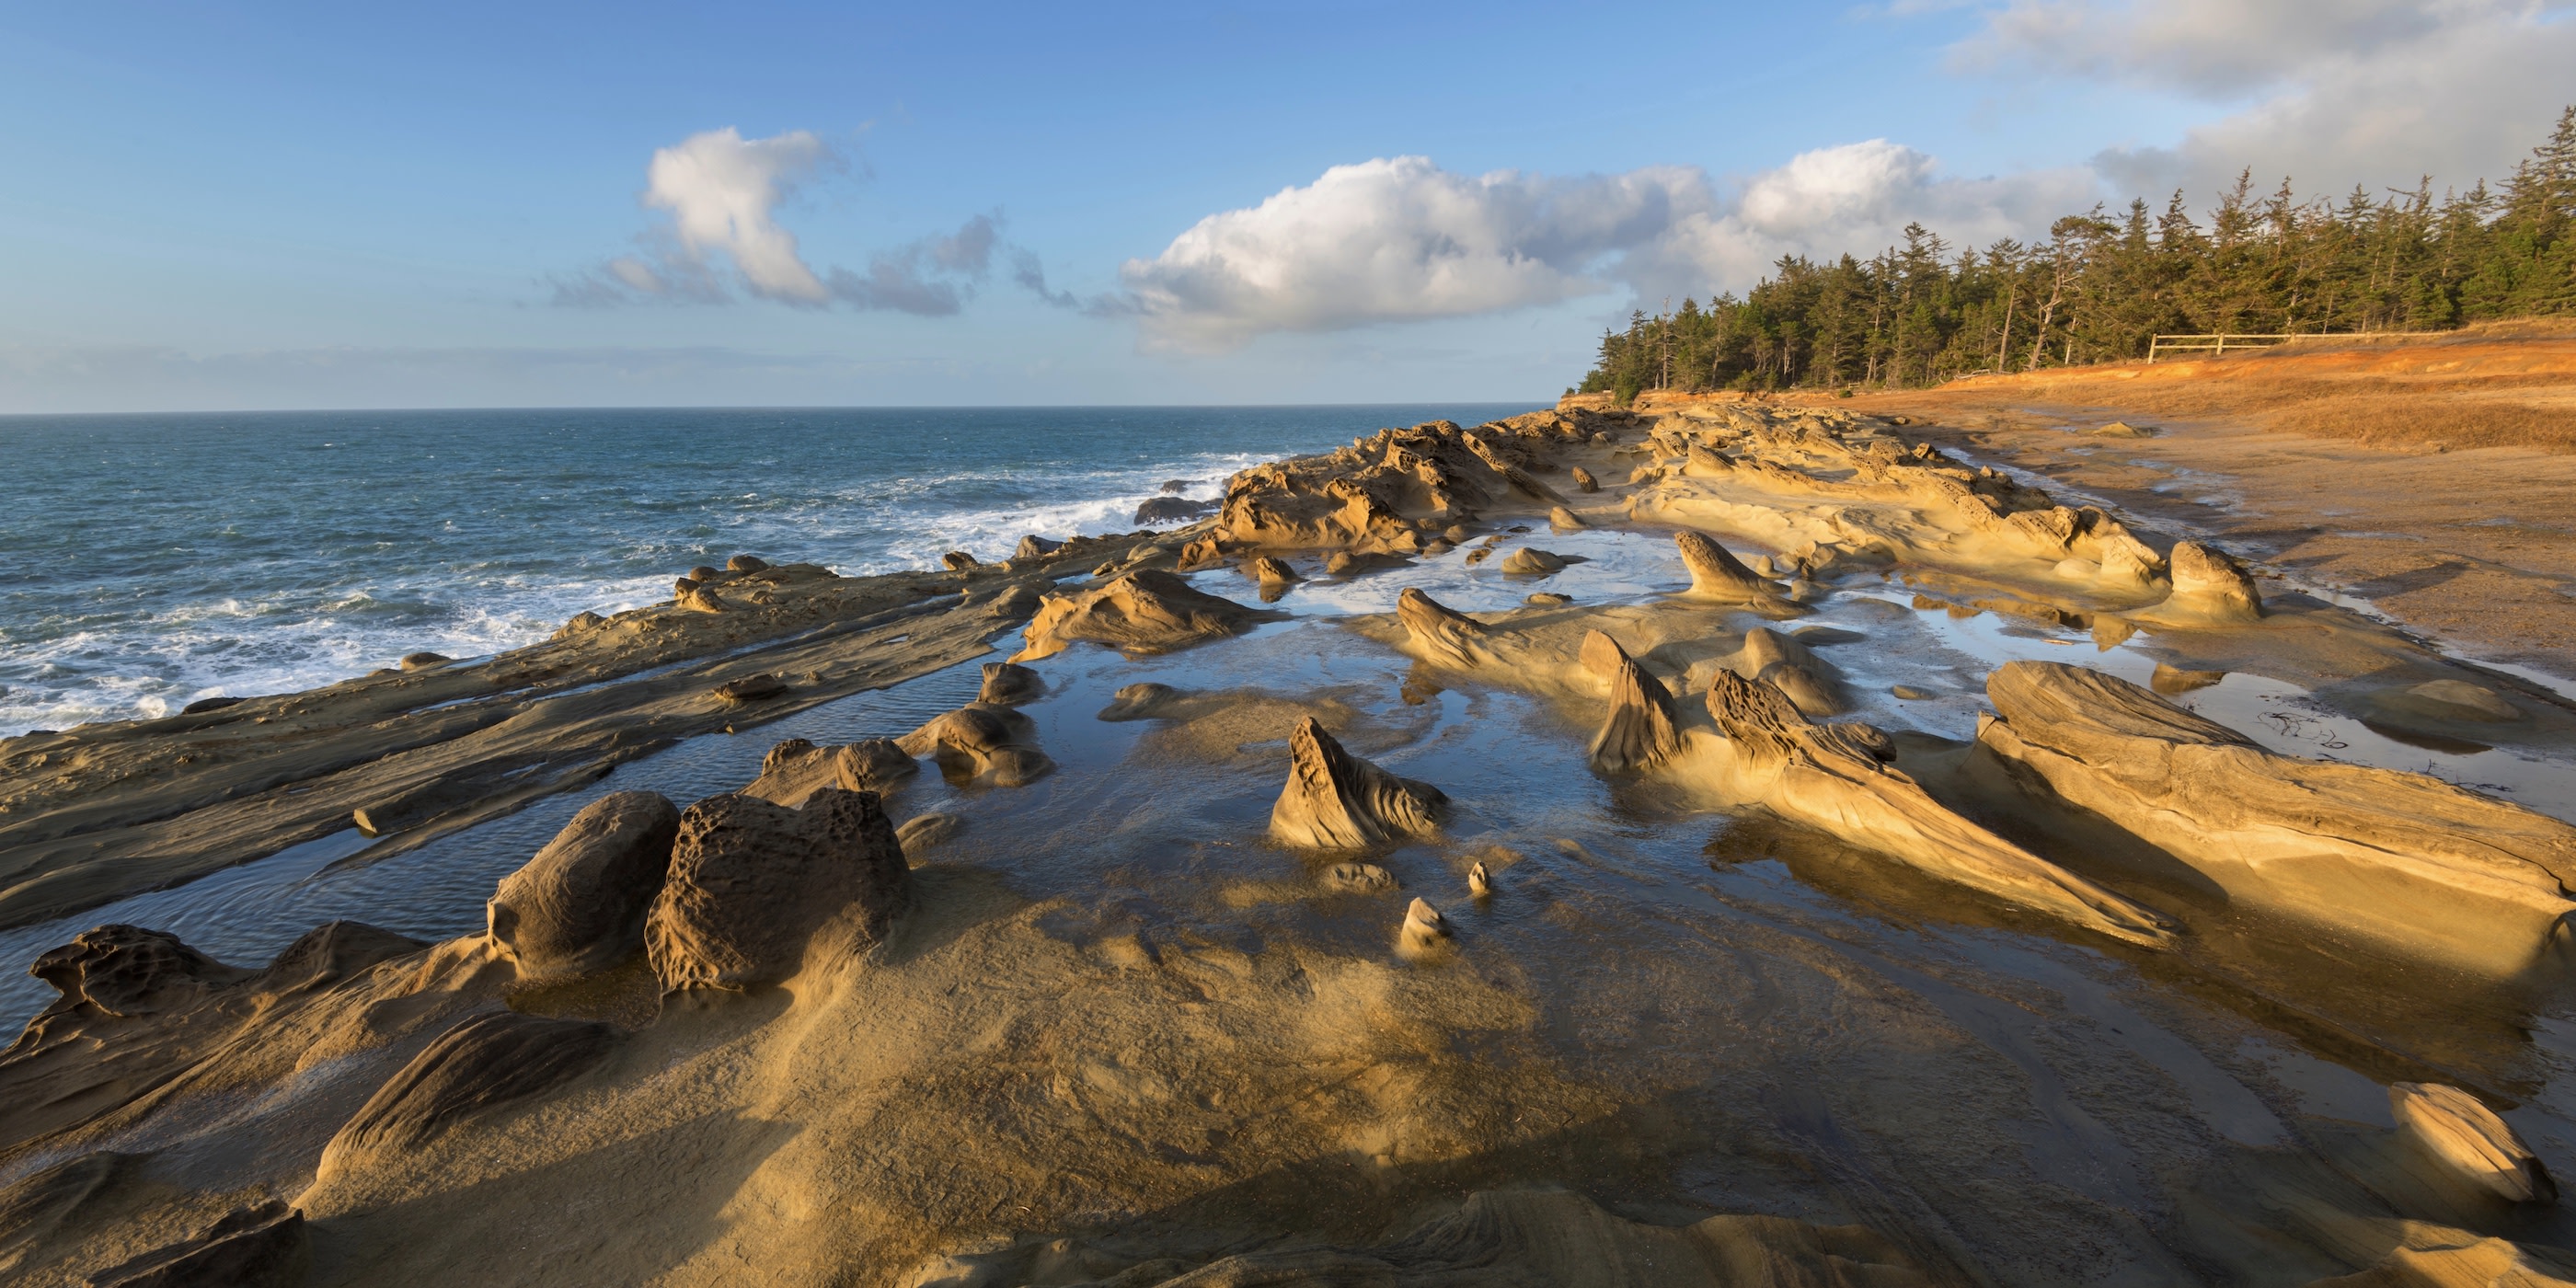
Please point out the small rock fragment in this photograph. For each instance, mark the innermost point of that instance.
(1480, 882)
(1271, 571)
(1910, 693)
(1583, 479)
(1359, 878)
(1422, 921)
(1529, 561)
(1548, 599)
(1565, 520)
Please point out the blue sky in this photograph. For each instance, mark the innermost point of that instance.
(291, 206)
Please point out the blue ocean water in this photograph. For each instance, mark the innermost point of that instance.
(147, 561)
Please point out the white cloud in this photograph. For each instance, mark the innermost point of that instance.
(2330, 92)
(721, 193)
(721, 190)
(1400, 239)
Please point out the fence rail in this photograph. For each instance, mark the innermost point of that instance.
(2222, 342)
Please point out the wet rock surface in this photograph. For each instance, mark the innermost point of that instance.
(1717, 990)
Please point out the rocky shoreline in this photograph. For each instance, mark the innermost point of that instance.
(1351, 950)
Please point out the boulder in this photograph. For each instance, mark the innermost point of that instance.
(1034, 546)
(260, 1246)
(1812, 774)
(1565, 520)
(1530, 561)
(752, 688)
(982, 744)
(1638, 732)
(2208, 584)
(1007, 683)
(959, 561)
(1480, 880)
(482, 1063)
(1583, 479)
(1335, 800)
(746, 563)
(1171, 509)
(1445, 637)
(2425, 868)
(423, 661)
(751, 882)
(1142, 612)
(703, 573)
(579, 905)
(203, 705)
(1272, 571)
(1716, 574)
(582, 623)
(2469, 1141)
(873, 765)
(700, 600)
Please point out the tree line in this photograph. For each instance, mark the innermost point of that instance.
(2103, 284)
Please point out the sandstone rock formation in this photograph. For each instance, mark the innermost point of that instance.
(137, 1012)
(1171, 509)
(752, 688)
(1359, 878)
(983, 744)
(746, 563)
(1450, 638)
(1008, 684)
(2419, 865)
(1142, 612)
(1565, 520)
(699, 599)
(1789, 665)
(1717, 575)
(579, 905)
(423, 661)
(751, 882)
(1337, 801)
(1530, 561)
(1807, 773)
(872, 765)
(1480, 880)
(1034, 546)
(1139, 701)
(2467, 1138)
(1422, 921)
(1583, 479)
(959, 561)
(1270, 570)
(261, 1246)
(482, 1063)
(2208, 584)
(1638, 732)
(923, 831)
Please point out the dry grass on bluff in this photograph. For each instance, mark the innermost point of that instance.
(2505, 384)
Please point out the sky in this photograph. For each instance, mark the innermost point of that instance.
(211, 206)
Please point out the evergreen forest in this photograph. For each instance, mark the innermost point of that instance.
(2103, 284)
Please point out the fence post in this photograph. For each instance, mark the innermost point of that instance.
(2152, 341)
(2222, 342)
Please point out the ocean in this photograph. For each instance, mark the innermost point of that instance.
(147, 561)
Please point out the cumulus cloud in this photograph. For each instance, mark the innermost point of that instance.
(2328, 91)
(1400, 239)
(721, 192)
